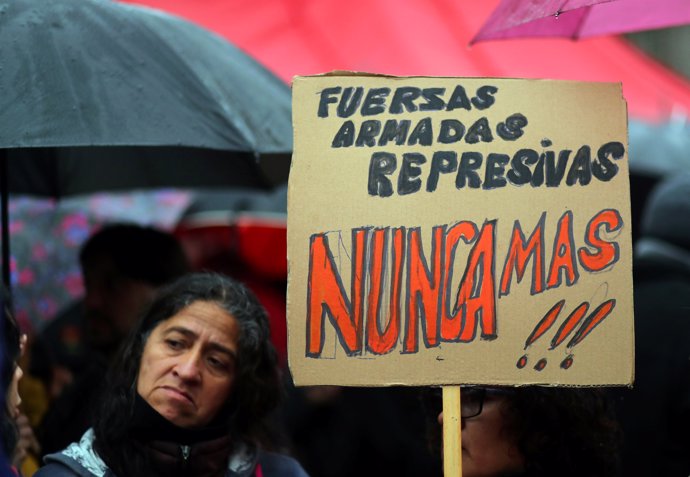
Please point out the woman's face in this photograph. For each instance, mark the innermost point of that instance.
(13, 400)
(188, 365)
(486, 449)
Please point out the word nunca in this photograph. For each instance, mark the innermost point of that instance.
(419, 287)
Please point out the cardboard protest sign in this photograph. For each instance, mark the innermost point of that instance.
(457, 231)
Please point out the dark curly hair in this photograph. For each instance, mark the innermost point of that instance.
(560, 431)
(137, 252)
(257, 389)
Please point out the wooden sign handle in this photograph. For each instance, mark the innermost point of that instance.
(452, 437)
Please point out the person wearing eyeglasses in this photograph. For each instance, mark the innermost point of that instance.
(532, 431)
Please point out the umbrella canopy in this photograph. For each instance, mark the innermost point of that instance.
(97, 95)
(83, 73)
(580, 18)
(427, 38)
(97, 72)
(47, 236)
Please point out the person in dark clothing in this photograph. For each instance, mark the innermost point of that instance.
(339, 431)
(655, 413)
(123, 266)
(189, 394)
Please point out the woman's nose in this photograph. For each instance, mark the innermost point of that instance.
(188, 367)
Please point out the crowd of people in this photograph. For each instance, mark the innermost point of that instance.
(177, 374)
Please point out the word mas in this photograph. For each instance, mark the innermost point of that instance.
(392, 276)
(411, 172)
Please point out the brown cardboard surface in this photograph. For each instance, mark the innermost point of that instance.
(439, 234)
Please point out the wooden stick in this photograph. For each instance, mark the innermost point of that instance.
(452, 437)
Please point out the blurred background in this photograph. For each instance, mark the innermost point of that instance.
(235, 74)
(671, 46)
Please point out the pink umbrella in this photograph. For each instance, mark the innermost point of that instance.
(426, 37)
(580, 18)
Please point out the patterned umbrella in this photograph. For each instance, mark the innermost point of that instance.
(47, 235)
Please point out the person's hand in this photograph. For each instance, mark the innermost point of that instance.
(27, 444)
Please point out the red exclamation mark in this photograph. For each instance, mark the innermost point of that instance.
(542, 327)
(592, 321)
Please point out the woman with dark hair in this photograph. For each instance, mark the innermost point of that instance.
(189, 392)
(534, 432)
(11, 374)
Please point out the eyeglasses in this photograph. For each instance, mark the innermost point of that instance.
(472, 399)
(471, 402)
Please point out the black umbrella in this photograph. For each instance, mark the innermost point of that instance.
(98, 95)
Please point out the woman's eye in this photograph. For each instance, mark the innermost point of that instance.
(216, 363)
(174, 344)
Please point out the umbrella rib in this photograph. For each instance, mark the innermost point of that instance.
(576, 33)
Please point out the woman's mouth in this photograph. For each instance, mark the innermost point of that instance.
(178, 394)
